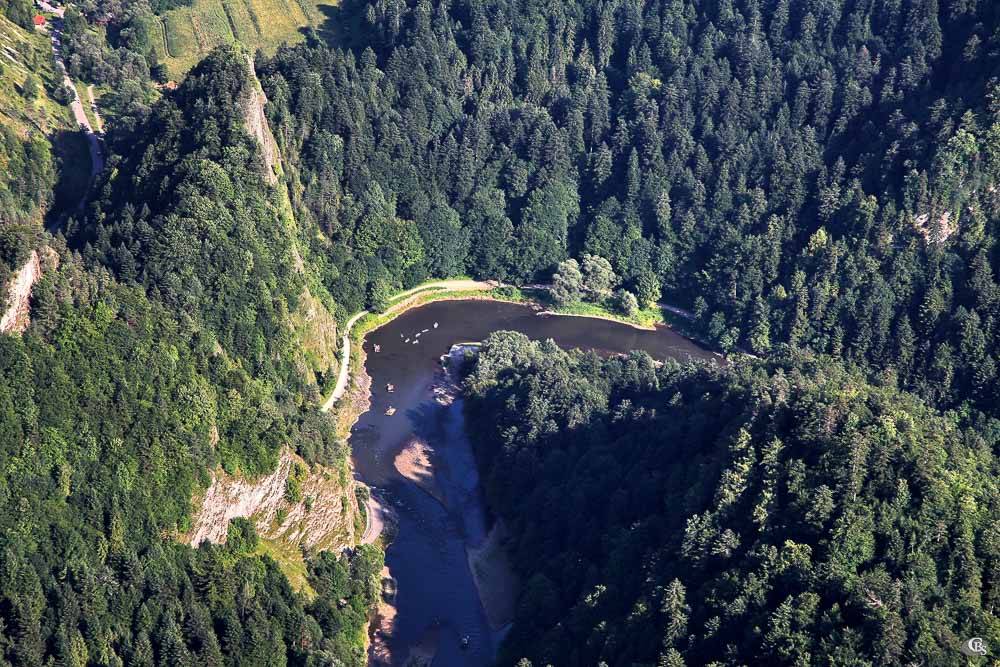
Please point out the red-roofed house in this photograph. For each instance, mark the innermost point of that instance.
(39, 20)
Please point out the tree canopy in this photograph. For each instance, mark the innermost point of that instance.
(780, 512)
(817, 181)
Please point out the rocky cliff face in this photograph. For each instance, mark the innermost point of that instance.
(17, 310)
(322, 519)
(257, 125)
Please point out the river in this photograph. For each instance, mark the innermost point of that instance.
(420, 465)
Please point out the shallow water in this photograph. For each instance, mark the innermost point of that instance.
(442, 516)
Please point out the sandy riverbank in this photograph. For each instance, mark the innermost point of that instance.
(380, 628)
(414, 462)
(494, 577)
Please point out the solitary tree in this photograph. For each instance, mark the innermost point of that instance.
(598, 276)
(30, 88)
(567, 283)
(626, 303)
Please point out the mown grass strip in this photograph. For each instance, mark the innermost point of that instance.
(180, 33)
(212, 25)
(242, 21)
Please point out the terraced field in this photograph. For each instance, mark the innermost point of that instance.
(188, 33)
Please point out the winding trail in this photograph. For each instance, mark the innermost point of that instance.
(398, 302)
(93, 142)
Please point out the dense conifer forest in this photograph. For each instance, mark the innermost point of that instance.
(819, 173)
(776, 513)
(131, 384)
(818, 181)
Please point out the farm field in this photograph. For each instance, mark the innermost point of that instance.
(183, 36)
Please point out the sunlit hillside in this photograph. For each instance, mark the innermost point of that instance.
(183, 36)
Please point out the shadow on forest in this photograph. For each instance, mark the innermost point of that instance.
(73, 180)
(340, 26)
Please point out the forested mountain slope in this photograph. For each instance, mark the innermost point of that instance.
(107, 409)
(163, 348)
(189, 212)
(818, 174)
(765, 513)
(37, 148)
(822, 173)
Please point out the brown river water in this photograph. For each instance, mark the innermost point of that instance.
(437, 505)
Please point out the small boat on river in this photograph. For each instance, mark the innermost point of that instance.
(390, 411)
(389, 589)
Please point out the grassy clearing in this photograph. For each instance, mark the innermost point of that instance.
(278, 20)
(24, 52)
(421, 290)
(211, 25)
(191, 32)
(647, 318)
(180, 40)
(242, 22)
(291, 561)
